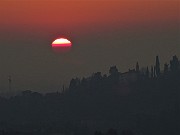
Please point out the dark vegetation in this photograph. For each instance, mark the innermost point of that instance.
(137, 102)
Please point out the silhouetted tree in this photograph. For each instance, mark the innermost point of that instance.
(157, 66)
(113, 70)
(97, 76)
(147, 72)
(74, 83)
(166, 68)
(174, 64)
(84, 82)
(96, 80)
(137, 67)
(104, 76)
(152, 72)
(114, 74)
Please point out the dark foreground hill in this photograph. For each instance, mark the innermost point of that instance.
(149, 105)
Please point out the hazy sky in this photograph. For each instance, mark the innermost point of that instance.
(103, 33)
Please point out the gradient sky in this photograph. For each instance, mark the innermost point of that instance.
(103, 33)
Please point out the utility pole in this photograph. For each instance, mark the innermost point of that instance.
(10, 81)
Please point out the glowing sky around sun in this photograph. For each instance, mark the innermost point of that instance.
(79, 14)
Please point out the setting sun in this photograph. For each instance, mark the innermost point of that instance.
(61, 42)
(61, 45)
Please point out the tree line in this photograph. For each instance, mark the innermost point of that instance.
(148, 103)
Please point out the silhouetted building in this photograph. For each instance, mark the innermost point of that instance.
(130, 76)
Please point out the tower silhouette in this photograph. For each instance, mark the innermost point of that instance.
(157, 68)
